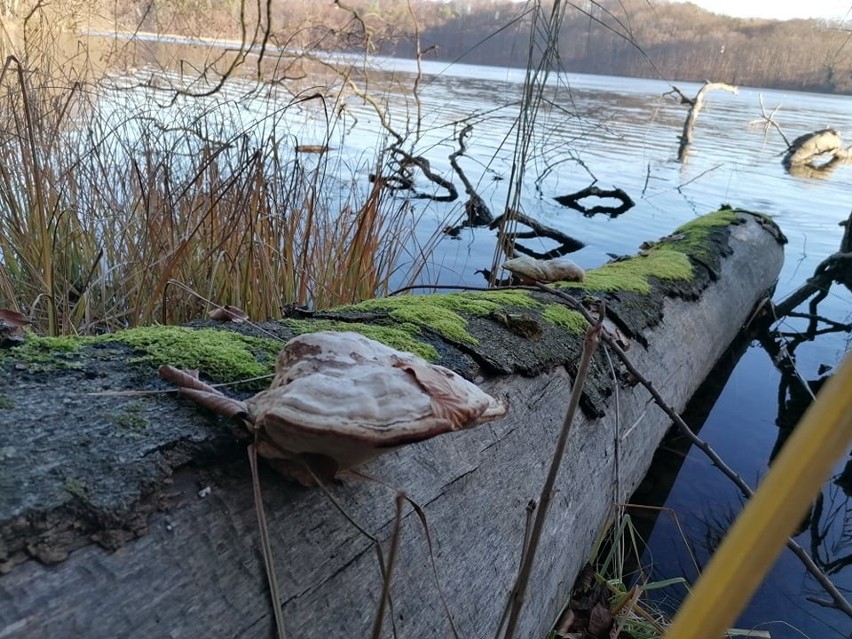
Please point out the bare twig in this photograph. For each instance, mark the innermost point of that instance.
(839, 600)
(769, 121)
(394, 545)
(421, 515)
(266, 546)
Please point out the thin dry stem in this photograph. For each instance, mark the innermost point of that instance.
(394, 546)
(516, 601)
(266, 546)
(837, 597)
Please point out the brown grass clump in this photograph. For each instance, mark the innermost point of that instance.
(107, 195)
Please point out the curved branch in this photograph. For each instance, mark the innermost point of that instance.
(478, 213)
(692, 116)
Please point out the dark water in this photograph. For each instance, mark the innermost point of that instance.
(625, 134)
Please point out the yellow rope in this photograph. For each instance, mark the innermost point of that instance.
(771, 515)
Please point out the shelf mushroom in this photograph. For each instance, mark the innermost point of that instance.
(339, 399)
(531, 270)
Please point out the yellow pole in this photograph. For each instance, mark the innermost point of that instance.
(771, 515)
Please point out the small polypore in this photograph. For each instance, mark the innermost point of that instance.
(339, 399)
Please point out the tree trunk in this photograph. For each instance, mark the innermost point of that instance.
(132, 516)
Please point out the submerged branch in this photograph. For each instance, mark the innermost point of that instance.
(696, 104)
(835, 268)
(478, 213)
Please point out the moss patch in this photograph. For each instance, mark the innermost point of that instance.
(221, 356)
(666, 260)
(132, 418)
(441, 313)
(696, 233)
(560, 315)
(76, 487)
(44, 349)
(632, 274)
(401, 337)
(6, 402)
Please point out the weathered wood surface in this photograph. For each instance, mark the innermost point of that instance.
(695, 107)
(187, 566)
(805, 149)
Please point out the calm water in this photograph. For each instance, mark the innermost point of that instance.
(625, 133)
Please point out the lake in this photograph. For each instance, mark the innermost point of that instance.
(624, 133)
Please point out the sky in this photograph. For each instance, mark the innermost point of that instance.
(780, 9)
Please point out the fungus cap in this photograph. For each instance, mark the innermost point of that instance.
(554, 270)
(347, 397)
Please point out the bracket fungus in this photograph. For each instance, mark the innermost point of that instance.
(340, 399)
(531, 270)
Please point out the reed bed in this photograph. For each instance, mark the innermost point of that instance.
(108, 195)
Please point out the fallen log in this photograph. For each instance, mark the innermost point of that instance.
(132, 515)
(807, 149)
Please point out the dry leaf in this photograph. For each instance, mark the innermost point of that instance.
(600, 621)
(228, 314)
(530, 269)
(13, 318)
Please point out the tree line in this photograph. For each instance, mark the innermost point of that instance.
(638, 38)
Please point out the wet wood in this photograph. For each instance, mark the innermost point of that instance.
(696, 105)
(170, 506)
(806, 149)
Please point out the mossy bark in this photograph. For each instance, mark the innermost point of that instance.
(95, 456)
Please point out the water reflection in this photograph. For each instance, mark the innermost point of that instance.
(825, 530)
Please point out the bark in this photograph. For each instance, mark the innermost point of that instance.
(805, 149)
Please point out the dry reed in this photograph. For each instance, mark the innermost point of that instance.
(106, 195)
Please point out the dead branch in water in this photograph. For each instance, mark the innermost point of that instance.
(573, 201)
(769, 121)
(835, 268)
(806, 150)
(478, 213)
(696, 103)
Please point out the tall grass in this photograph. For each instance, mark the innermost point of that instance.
(107, 196)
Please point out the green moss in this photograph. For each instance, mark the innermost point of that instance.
(76, 487)
(698, 227)
(402, 337)
(6, 402)
(514, 298)
(441, 312)
(222, 356)
(667, 260)
(560, 315)
(132, 418)
(44, 349)
(633, 274)
(696, 233)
